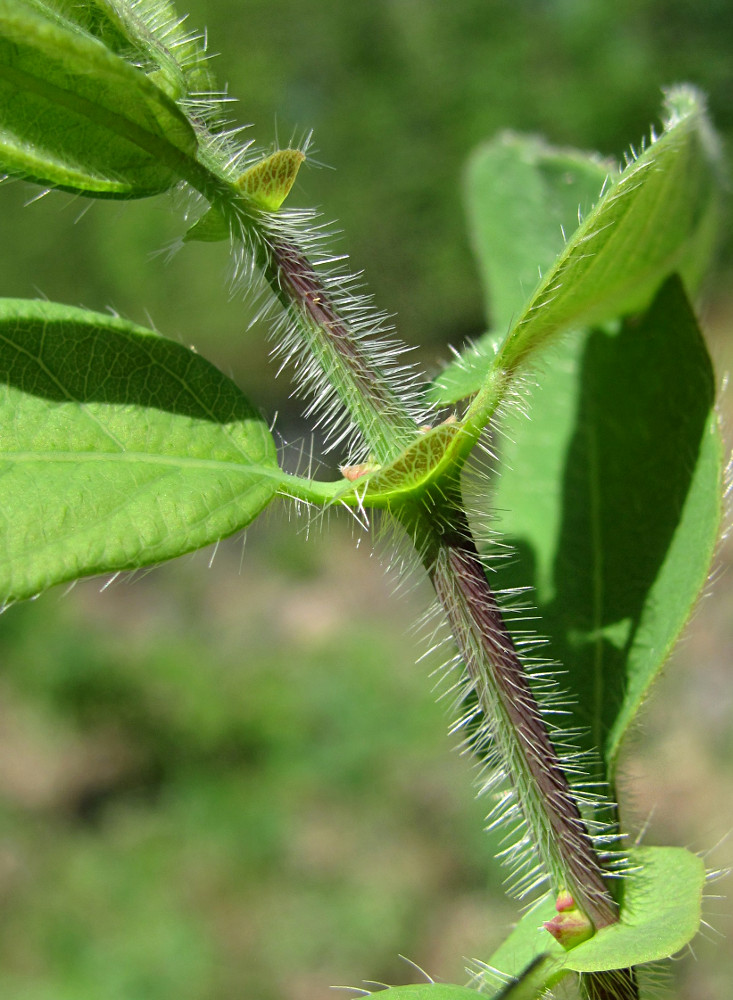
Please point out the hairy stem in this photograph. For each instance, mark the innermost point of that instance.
(516, 728)
(381, 412)
(347, 363)
(352, 370)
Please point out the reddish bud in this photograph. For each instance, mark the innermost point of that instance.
(571, 926)
(354, 472)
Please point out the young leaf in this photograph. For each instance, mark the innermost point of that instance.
(659, 217)
(660, 914)
(118, 448)
(521, 196)
(268, 182)
(611, 493)
(75, 115)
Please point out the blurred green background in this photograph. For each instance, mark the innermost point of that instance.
(227, 778)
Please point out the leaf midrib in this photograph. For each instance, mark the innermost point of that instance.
(596, 584)
(147, 458)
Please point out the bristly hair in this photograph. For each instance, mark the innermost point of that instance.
(469, 681)
(154, 38)
(347, 363)
(506, 706)
(346, 360)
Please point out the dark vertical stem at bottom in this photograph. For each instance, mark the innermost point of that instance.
(508, 704)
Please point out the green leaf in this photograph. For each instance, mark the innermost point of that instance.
(521, 195)
(639, 233)
(611, 494)
(75, 115)
(428, 991)
(118, 448)
(660, 914)
(529, 941)
(94, 18)
(660, 216)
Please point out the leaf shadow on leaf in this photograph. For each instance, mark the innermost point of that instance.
(644, 407)
(118, 448)
(88, 358)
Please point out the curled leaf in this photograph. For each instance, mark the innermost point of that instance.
(657, 217)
